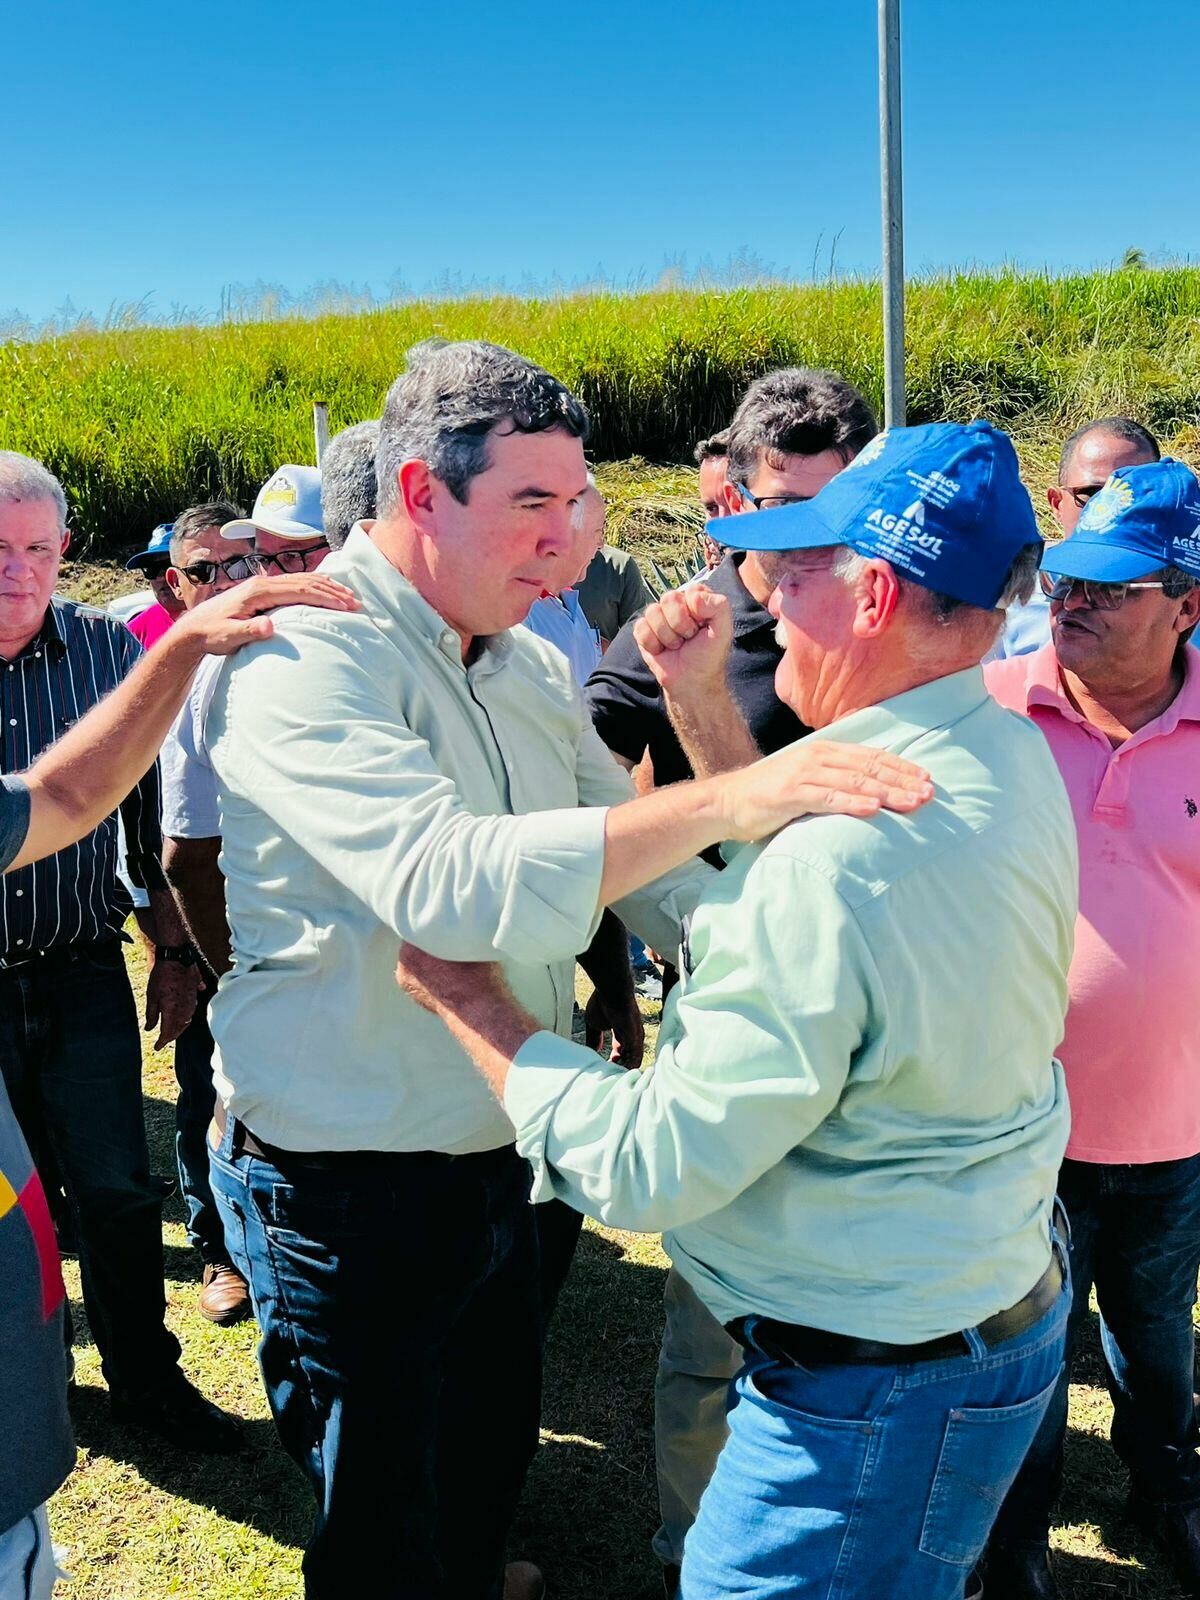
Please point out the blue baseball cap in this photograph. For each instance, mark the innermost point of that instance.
(1143, 519)
(288, 505)
(159, 549)
(944, 503)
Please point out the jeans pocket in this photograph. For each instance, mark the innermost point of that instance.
(982, 1451)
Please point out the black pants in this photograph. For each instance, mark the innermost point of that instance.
(71, 1057)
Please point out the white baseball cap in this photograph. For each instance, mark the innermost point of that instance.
(288, 505)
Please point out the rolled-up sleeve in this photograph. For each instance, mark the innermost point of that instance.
(755, 1057)
(324, 755)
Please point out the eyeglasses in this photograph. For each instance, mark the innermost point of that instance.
(766, 502)
(236, 569)
(1100, 596)
(1083, 493)
(291, 561)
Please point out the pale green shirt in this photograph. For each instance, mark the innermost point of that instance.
(374, 789)
(855, 1120)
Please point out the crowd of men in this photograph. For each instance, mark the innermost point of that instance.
(905, 800)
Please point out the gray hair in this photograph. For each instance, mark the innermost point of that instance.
(964, 625)
(348, 480)
(22, 478)
(451, 396)
(210, 517)
(797, 411)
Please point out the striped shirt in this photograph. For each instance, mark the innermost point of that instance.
(74, 660)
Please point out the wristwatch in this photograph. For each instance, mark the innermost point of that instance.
(184, 954)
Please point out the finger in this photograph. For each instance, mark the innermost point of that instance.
(882, 764)
(903, 794)
(654, 628)
(679, 616)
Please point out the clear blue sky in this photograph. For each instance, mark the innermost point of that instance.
(170, 151)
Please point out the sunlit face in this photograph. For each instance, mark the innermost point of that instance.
(1093, 461)
(712, 482)
(31, 549)
(490, 559)
(782, 479)
(1119, 649)
(813, 611)
(192, 580)
(590, 515)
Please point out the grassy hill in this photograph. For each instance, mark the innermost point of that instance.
(139, 422)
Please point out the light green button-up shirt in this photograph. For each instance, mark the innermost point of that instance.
(855, 1120)
(373, 789)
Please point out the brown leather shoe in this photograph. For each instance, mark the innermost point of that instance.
(224, 1297)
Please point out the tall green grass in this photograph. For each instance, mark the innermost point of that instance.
(140, 422)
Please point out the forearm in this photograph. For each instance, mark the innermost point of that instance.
(165, 919)
(713, 733)
(199, 885)
(606, 959)
(477, 1008)
(647, 837)
(86, 774)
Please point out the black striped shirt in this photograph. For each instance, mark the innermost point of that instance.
(76, 658)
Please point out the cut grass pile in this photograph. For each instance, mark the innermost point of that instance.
(140, 422)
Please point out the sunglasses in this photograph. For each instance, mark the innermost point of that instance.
(1100, 596)
(290, 561)
(236, 568)
(1083, 493)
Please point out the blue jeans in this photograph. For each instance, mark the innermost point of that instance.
(71, 1057)
(399, 1305)
(854, 1482)
(1135, 1234)
(193, 1113)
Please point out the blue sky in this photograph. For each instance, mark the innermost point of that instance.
(170, 151)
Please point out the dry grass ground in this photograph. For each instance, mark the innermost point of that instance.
(144, 1522)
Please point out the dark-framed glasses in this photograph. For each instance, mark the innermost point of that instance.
(290, 561)
(1101, 596)
(235, 569)
(768, 502)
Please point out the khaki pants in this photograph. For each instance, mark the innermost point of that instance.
(695, 1366)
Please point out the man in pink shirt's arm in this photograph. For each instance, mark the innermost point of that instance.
(1117, 697)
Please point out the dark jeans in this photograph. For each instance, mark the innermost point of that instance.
(558, 1228)
(399, 1305)
(72, 1061)
(193, 1113)
(1135, 1234)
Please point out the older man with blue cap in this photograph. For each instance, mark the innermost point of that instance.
(1117, 697)
(853, 1127)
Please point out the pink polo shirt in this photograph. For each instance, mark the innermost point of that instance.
(1132, 1046)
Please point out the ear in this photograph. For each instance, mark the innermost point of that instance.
(876, 596)
(173, 582)
(1189, 611)
(416, 493)
(66, 539)
(1054, 498)
(735, 501)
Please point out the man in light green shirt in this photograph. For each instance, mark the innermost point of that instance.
(852, 1130)
(425, 773)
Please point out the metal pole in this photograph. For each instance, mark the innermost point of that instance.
(320, 427)
(891, 174)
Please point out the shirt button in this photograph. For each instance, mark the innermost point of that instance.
(37, 655)
(12, 722)
(20, 892)
(20, 941)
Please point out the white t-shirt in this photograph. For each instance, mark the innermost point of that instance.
(190, 807)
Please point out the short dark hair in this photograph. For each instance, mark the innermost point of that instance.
(1120, 428)
(190, 524)
(348, 480)
(797, 411)
(441, 409)
(714, 448)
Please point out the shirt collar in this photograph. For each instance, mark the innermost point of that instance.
(1044, 687)
(49, 637)
(894, 722)
(727, 580)
(382, 588)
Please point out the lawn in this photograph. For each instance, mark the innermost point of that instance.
(144, 1522)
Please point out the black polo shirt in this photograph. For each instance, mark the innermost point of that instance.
(627, 705)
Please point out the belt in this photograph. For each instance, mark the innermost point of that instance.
(813, 1347)
(244, 1143)
(64, 953)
